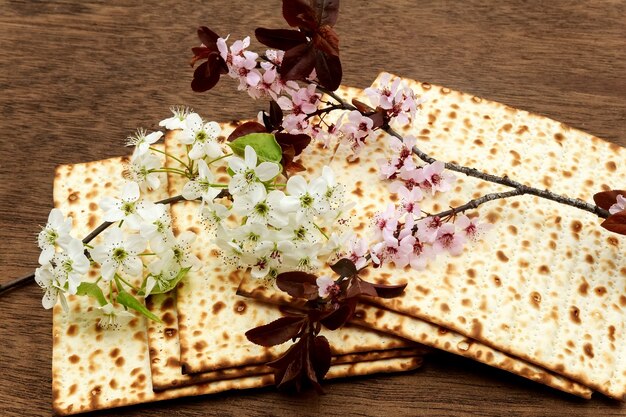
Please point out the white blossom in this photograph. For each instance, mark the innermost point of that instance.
(157, 227)
(177, 121)
(112, 318)
(71, 265)
(141, 170)
(260, 207)
(202, 137)
(142, 141)
(55, 233)
(123, 208)
(116, 253)
(44, 276)
(247, 175)
(201, 186)
(304, 199)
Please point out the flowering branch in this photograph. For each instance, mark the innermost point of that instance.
(87, 239)
(473, 172)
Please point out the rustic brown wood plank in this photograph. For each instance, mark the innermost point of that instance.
(77, 77)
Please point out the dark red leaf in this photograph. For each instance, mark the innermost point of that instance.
(207, 36)
(294, 167)
(327, 41)
(389, 291)
(344, 268)
(360, 106)
(276, 332)
(309, 368)
(246, 129)
(299, 141)
(298, 62)
(321, 356)
(289, 366)
(340, 316)
(203, 78)
(276, 115)
(326, 11)
(328, 69)
(298, 284)
(606, 199)
(359, 287)
(298, 13)
(379, 118)
(283, 39)
(616, 223)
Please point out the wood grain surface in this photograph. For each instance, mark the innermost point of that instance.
(77, 77)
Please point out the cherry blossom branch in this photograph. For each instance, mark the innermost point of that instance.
(473, 172)
(101, 228)
(473, 204)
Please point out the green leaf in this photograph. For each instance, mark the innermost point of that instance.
(264, 144)
(170, 285)
(92, 290)
(127, 300)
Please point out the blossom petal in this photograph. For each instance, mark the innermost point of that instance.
(212, 129)
(135, 244)
(237, 165)
(133, 265)
(197, 151)
(213, 150)
(266, 171)
(130, 192)
(296, 185)
(250, 157)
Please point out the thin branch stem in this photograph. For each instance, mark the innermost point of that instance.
(173, 171)
(170, 156)
(473, 172)
(473, 204)
(325, 110)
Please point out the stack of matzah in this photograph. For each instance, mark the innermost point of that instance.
(541, 296)
(141, 362)
(545, 287)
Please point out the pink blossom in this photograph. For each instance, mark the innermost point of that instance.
(326, 286)
(241, 64)
(357, 252)
(470, 227)
(303, 101)
(619, 205)
(409, 200)
(275, 57)
(420, 253)
(295, 123)
(448, 240)
(433, 177)
(428, 228)
(387, 168)
(402, 161)
(399, 102)
(355, 130)
(387, 220)
(269, 83)
(383, 97)
(390, 250)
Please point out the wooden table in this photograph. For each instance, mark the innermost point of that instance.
(77, 77)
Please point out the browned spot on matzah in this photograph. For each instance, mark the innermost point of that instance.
(217, 307)
(501, 256)
(600, 291)
(240, 307)
(588, 349)
(574, 314)
(535, 299)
